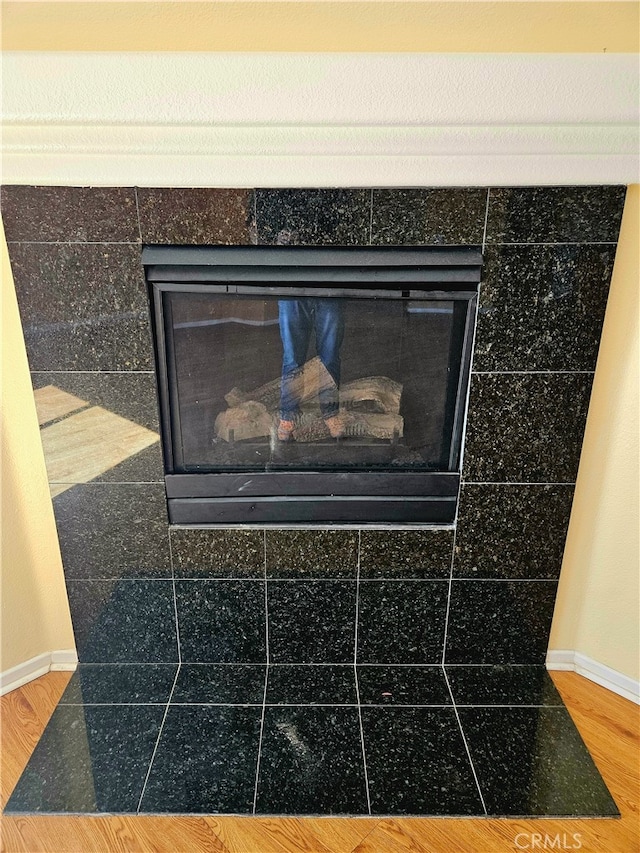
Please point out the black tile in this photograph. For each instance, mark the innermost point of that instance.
(532, 761)
(112, 530)
(221, 621)
(405, 553)
(311, 553)
(125, 621)
(91, 759)
(428, 216)
(311, 621)
(217, 553)
(499, 621)
(526, 428)
(206, 761)
(128, 394)
(542, 307)
(417, 763)
(311, 685)
(502, 685)
(220, 684)
(120, 684)
(146, 466)
(402, 685)
(401, 621)
(192, 216)
(555, 214)
(83, 307)
(327, 217)
(510, 531)
(70, 214)
(311, 762)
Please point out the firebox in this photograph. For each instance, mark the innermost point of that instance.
(312, 385)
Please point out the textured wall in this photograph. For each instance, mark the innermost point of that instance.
(483, 594)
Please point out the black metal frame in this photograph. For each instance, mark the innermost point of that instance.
(312, 496)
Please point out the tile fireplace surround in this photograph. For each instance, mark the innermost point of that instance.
(312, 671)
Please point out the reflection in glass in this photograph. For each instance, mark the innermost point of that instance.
(360, 383)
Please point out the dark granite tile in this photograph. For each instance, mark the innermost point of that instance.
(511, 531)
(499, 621)
(428, 216)
(206, 761)
(312, 553)
(405, 553)
(555, 214)
(221, 621)
(192, 216)
(129, 395)
(83, 307)
(311, 762)
(502, 685)
(147, 466)
(417, 763)
(70, 214)
(113, 530)
(92, 759)
(120, 684)
(542, 307)
(327, 217)
(401, 621)
(526, 428)
(217, 553)
(311, 621)
(125, 621)
(532, 761)
(220, 684)
(311, 685)
(402, 685)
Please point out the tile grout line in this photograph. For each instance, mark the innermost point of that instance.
(355, 675)
(155, 748)
(175, 600)
(464, 740)
(266, 674)
(486, 219)
(532, 372)
(135, 195)
(371, 218)
(453, 556)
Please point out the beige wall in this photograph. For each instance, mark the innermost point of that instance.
(34, 609)
(379, 26)
(597, 610)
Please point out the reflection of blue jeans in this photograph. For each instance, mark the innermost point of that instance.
(298, 317)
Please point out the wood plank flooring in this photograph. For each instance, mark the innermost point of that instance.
(608, 724)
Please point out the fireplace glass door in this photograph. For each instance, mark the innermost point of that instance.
(301, 379)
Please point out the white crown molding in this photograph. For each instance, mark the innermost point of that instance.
(320, 119)
(605, 676)
(65, 660)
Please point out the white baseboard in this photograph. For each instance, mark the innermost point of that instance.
(572, 661)
(58, 660)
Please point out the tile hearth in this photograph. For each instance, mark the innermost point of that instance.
(312, 739)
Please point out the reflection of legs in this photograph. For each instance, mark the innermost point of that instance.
(329, 329)
(295, 317)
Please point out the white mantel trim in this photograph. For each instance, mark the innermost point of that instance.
(320, 119)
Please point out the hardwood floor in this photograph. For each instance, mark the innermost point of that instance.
(608, 724)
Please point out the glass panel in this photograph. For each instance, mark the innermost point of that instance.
(267, 383)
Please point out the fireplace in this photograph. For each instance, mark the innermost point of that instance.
(306, 384)
(202, 646)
